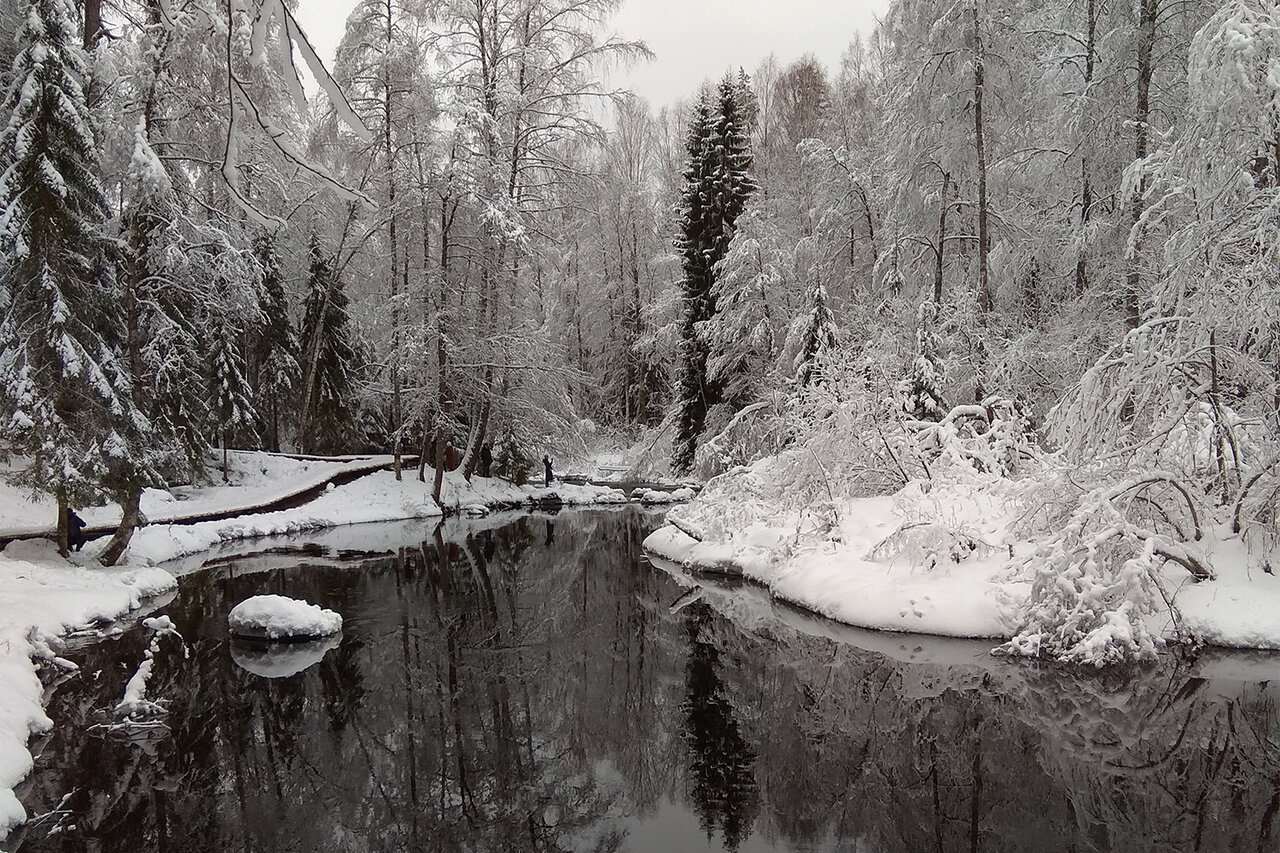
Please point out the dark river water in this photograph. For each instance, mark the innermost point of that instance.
(533, 683)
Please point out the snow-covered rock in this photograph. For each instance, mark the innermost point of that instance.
(278, 617)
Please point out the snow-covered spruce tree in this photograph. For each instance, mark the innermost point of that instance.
(161, 312)
(230, 396)
(813, 334)
(717, 185)
(65, 396)
(922, 390)
(275, 353)
(328, 417)
(740, 336)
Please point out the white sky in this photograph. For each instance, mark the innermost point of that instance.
(694, 40)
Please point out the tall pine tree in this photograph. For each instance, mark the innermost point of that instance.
(65, 398)
(328, 416)
(275, 355)
(718, 184)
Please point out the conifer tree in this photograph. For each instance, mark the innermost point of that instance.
(65, 398)
(922, 390)
(329, 409)
(814, 334)
(230, 395)
(160, 311)
(717, 186)
(740, 337)
(275, 357)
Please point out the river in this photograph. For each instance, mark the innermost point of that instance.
(534, 683)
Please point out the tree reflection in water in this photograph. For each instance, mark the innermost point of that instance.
(498, 688)
(722, 772)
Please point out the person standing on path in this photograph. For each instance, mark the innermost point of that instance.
(546, 463)
(486, 458)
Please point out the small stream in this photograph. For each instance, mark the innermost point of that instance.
(532, 682)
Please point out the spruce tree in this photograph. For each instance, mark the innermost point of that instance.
(230, 395)
(922, 390)
(718, 184)
(275, 356)
(814, 333)
(65, 398)
(161, 311)
(328, 416)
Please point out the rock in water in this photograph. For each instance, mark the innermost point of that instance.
(277, 617)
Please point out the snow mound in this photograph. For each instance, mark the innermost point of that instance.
(657, 496)
(612, 497)
(277, 617)
(475, 510)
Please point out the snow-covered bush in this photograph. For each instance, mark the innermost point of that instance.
(994, 437)
(1096, 573)
(758, 430)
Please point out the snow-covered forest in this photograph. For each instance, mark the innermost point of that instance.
(1027, 253)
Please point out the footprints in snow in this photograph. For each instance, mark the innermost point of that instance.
(914, 608)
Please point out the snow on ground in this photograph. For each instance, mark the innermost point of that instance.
(938, 561)
(658, 496)
(276, 617)
(255, 479)
(865, 572)
(374, 497)
(42, 598)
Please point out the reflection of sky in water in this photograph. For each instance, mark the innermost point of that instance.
(516, 678)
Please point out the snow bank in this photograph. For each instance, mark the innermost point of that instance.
(870, 570)
(255, 479)
(276, 617)
(373, 497)
(949, 557)
(38, 604)
(659, 496)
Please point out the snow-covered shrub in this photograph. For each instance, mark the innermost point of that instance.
(993, 437)
(758, 430)
(1095, 575)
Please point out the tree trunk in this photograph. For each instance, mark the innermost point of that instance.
(980, 150)
(942, 241)
(397, 419)
(478, 434)
(60, 538)
(437, 487)
(92, 23)
(1086, 189)
(1141, 117)
(130, 515)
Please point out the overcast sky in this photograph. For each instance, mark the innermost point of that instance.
(694, 40)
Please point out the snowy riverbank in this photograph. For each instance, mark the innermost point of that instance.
(43, 597)
(948, 558)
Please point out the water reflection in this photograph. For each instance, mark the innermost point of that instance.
(506, 685)
(281, 660)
